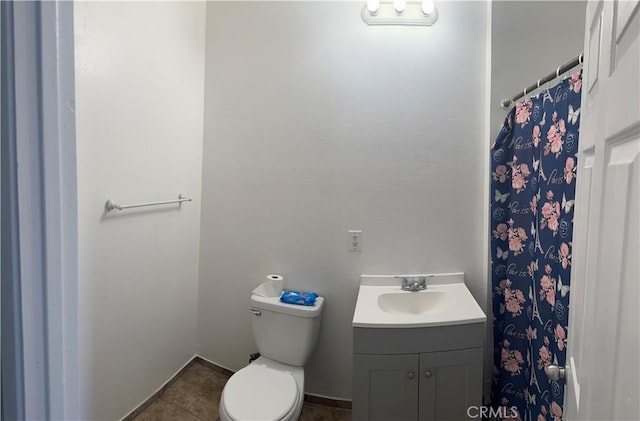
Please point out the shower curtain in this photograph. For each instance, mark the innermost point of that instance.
(533, 172)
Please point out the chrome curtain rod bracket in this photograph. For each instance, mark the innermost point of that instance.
(506, 103)
(111, 205)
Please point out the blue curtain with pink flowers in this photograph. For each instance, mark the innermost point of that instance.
(533, 172)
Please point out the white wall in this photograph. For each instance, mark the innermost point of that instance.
(316, 123)
(530, 39)
(139, 85)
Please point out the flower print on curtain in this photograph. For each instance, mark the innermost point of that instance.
(533, 172)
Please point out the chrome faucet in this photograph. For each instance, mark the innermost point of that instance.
(414, 284)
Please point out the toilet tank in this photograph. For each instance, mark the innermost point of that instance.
(285, 332)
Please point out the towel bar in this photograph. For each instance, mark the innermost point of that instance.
(111, 205)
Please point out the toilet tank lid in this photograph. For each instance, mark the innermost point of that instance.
(274, 304)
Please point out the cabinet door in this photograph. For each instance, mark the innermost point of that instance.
(385, 387)
(450, 382)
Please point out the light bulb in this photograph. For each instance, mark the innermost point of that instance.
(372, 6)
(428, 6)
(399, 5)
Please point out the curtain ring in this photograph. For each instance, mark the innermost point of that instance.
(538, 83)
(581, 58)
(524, 92)
(558, 71)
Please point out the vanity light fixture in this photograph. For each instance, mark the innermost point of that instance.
(372, 6)
(428, 6)
(399, 12)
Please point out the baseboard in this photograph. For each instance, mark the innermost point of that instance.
(151, 399)
(322, 400)
(326, 401)
(215, 367)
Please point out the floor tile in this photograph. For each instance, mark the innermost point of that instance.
(197, 391)
(316, 412)
(161, 410)
(207, 380)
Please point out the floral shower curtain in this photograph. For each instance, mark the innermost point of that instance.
(533, 166)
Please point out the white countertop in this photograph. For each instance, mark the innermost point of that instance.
(460, 307)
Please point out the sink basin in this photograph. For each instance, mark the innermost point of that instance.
(446, 301)
(415, 302)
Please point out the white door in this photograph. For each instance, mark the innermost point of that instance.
(603, 371)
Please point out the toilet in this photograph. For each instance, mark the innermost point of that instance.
(272, 387)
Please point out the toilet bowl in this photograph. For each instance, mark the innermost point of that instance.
(264, 390)
(272, 387)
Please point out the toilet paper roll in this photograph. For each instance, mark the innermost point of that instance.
(271, 288)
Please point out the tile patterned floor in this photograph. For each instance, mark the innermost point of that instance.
(195, 396)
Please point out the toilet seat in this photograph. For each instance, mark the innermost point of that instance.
(260, 393)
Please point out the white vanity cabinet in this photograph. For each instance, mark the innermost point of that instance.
(426, 374)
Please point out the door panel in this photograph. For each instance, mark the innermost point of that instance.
(626, 22)
(385, 387)
(618, 254)
(579, 293)
(595, 39)
(450, 382)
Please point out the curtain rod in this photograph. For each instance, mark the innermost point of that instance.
(506, 103)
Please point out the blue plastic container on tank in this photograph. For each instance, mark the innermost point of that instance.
(299, 298)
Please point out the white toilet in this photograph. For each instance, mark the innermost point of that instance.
(272, 387)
